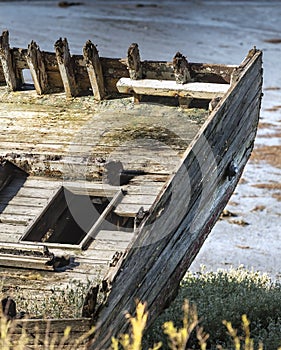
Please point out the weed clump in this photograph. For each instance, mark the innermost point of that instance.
(227, 295)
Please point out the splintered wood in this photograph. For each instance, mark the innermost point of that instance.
(90, 74)
(155, 176)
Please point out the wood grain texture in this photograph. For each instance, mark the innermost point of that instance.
(94, 69)
(169, 239)
(36, 64)
(7, 63)
(76, 76)
(171, 88)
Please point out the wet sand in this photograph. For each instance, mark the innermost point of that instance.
(204, 31)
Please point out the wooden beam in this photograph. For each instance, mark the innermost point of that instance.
(171, 88)
(25, 256)
(7, 62)
(66, 67)
(181, 69)
(27, 262)
(47, 218)
(26, 249)
(134, 63)
(94, 69)
(58, 326)
(93, 230)
(37, 68)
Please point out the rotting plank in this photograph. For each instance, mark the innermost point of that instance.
(134, 63)
(66, 68)
(18, 210)
(114, 235)
(27, 262)
(11, 229)
(37, 68)
(171, 88)
(55, 325)
(130, 210)
(94, 69)
(188, 234)
(7, 62)
(22, 201)
(10, 237)
(15, 219)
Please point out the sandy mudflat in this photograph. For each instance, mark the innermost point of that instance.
(204, 31)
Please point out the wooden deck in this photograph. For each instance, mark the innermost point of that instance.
(67, 144)
(156, 177)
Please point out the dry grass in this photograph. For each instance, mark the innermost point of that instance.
(227, 295)
(214, 323)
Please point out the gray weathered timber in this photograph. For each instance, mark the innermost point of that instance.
(36, 330)
(169, 239)
(94, 69)
(66, 67)
(181, 69)
(134, 62)
(80, 75)
(171, 88)
(7, 62)
(137, 245)
(34, 59)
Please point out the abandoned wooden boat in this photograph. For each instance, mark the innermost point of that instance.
(107, 199)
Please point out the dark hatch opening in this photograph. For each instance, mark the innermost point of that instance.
(74, 219)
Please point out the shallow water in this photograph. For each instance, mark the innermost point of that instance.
(204, 31)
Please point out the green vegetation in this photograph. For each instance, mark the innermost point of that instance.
(226, 310)
(62, 302)
(227, 295)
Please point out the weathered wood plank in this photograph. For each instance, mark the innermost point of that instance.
(46, 220)
(53, 325)
(134, 63)
(37, 68)
(181, 69)
(30, 192)
(66, 68)
(7, 62)
(171, 88)
(94, 69)
(26, 262)
(20, 209)
(184, 230)
(23, 201)
(93, 230)
(11, 229)
(138, 199)
(114, 235)
(15, 219)
(130, 210)
(10, 237)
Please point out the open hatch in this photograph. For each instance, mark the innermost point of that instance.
(73, 217)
